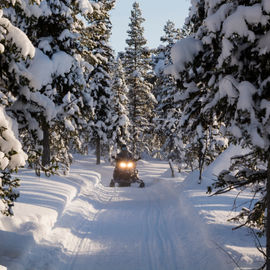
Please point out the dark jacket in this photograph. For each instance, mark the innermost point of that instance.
(124, 154)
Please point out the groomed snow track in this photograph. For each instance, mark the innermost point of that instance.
(130, 228)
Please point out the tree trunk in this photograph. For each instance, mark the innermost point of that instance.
(98, 151)
(171, 166)
(46, 154)
(202, 156)
(268, 215)
(201, 160)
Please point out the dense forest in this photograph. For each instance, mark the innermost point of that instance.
(64, 90)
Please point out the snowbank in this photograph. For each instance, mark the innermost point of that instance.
(223, 161)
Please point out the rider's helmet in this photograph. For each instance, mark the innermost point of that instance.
(124, 147)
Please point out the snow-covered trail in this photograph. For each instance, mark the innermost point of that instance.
(77, 222)
(129, 228)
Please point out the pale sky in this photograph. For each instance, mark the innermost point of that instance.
(155, 12)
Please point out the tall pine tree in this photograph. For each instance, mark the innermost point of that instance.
(101, 79)
(165, 91)
(136, 62)
(50, 106)
(121, 120)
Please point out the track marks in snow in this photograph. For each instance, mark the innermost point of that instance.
(151, 229)
(95, 197)
(160, 248)
(103, 228)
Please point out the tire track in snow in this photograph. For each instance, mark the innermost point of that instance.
(162, 199)
(165, 239)
(176, 231)
(159, 213)
(101, 194)
(69, 234)
(160, 245)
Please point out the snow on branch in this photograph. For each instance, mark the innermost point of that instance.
(183, 52)
(237, 23)
(11, 153)
(85, 6)
(42, 68)
(16, 36)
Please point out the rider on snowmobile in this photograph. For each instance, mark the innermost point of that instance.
(124, 153)
(125, 171)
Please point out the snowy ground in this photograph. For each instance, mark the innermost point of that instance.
(77, 222)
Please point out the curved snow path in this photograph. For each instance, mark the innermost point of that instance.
(105, 228)
(131, 228)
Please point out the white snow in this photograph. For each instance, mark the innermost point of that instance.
(62, 63)
(236, 131)
(9, 143)
(246, 90)
(266, 5)
(237, 23)
(182, 53)
(78, 222)
(16, 36)
(2, 48)
(45, 102)
(85, 6)
(227, 87)
(42, 68)
(227, 48)
(44, 45)
(69, 126)
(264, 44)
(214, 21)
(66, 34)
(123, 120)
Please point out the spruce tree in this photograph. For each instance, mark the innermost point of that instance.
(165, 91)
(223, 72)
(136, 62)
(121, 120)
(101, 79)
(14, 46)
(50, 106)
(171, 35)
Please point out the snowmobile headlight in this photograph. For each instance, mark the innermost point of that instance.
(122, 165)
(130, 165)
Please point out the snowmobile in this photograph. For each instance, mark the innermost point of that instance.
(125, 173)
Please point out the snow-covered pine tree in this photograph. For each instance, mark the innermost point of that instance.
(89, 40)
(193, 89)
(165, 88)
(121, 120)
(101, 79)
(51, 104)
(11, 158)
(136, 62)
(88, 36)
(227, 62)
(171, 35)
(14, 45)
(12, 67)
